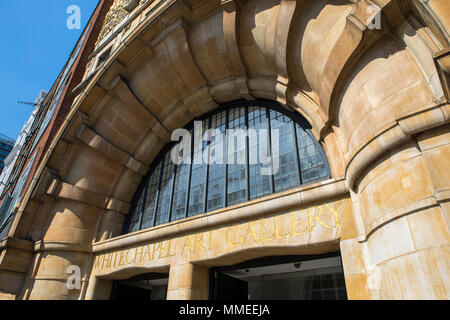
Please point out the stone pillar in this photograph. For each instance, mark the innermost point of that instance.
(98, 289)
(15, 257)
(188, 282)
(49, 278)
(353, 257)
(66, 243)
(404, 207)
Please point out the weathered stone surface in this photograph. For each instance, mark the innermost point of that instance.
(376, 100)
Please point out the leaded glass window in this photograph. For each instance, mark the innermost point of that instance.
(258, 120)
(242, 152)
(287, 175)
(217, 167)
(237, 157)
(165, 191)
(199, 172)
(151, 198)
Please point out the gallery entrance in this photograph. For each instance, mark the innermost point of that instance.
(281, 278)
(151, 286)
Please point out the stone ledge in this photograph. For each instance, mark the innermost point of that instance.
(18, 244)
(442, 195)
(418, 120)
(15, 255)
(294, 198)
(7, 296)
(67, 191)
(94, 140)
(396, 214)
(43, 245)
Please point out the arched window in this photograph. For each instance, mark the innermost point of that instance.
(273, 151)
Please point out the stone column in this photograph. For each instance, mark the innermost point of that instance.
(188, 282)
(403, 200)
(66, 243)
(353, 257)
(98, 289)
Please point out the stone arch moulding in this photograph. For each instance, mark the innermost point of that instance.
(186, 58)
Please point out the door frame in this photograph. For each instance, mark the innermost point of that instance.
(141, 277)
(263, 262)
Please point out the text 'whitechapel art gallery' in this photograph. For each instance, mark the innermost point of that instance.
(238, 149)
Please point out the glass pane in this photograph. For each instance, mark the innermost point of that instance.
(259, 151)
(287, 175)
(237, 157)
(136, 215)
(151, 200)
(180, 192)
(210, 182)
(216, 181)
(165, 191)
(198, 175)
(312, 165)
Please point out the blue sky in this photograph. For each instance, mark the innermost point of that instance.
(35, 46)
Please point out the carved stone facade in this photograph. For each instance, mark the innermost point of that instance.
(377, 101)
(118, 12)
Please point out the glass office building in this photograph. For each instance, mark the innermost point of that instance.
(6, 145)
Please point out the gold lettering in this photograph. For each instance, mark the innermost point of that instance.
(147, 253)
(174, 253)
(116, 262)
(229, 241)
(126, 256)
(293, 226)
(121, 258)
(210, 240)
(316, 217)
(235, 236)
(263, 231)
(199, 241)
(111, 260)
(251, 230)
(161, 248)
(188, 244)
(277, 233)
(336, 213)
(106, 258)
(97, 262)
(138, 253)
(155, 248)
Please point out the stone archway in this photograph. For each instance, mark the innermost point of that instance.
(372, 97)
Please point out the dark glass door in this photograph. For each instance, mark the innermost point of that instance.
(152, 286)
(281, 278)
(126, 292)
(229, 288)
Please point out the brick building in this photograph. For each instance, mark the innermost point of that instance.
(350, 104)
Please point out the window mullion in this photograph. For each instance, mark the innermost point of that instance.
(225, 157)
(247, 153)
(175, 167)
(269, 131)
(205, 203)
(144, 200)
(155, 210)
(186, 211)
(297, 156)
